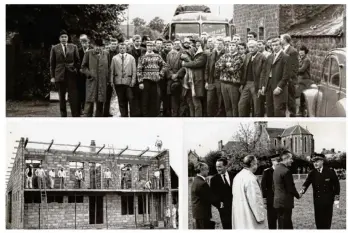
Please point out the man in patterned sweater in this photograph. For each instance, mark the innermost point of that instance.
(150, 70)
(229, 66)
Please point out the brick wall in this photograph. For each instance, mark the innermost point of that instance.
(255, 16)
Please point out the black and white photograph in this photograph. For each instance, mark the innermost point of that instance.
(91, 180)
(176, 60)
(266, 174)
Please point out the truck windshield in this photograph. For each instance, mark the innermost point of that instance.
(181, 30)
(215, 29)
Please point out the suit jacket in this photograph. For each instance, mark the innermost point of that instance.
(210, 75)
(293, 62)
(284, 187)
(64, 64)
(221, 190)
(82, 53)
(136, 53)
(279, 70)
(129, 68)
(258, 69)
(202, 198)
(325, 185)
(267, 186)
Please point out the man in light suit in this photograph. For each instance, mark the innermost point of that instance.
(64, 65)
(123, 76)
(293, 64)
(275, 84)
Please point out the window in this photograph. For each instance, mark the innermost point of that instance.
(305, 144)
(53, 198)
(247, 32)
(71, 199)
(325, 70)
(334, 73)
(295, 145)
(215, 29)
(284, 142)
(127, 205)
(275, 142)
(32, 198)
(261, 33)
(9, 206)
(96, 210)
(73, 166)
(142, 205)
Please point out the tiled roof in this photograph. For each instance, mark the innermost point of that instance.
(274, 132)
(295, 130)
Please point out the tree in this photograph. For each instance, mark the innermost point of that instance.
(138, 22)
(157, 24)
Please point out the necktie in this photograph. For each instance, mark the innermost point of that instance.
(319, 170)
(225, 180)
(122, 57)
(64, 49)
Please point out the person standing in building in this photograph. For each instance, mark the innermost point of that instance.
(64, 67)
(52, 176)
(61, 176)
(149, 71)
(124, 181)
(96, 66)
(123, 78)
(229, 68)
(107, 177)
(247, 207)
(79, 177)
(293, 64)
(267, 188)
(29, 177)
(284, 191)
(174, 213)
(41, 177)
(253, 72)
(326, 191)
(275, 83)
(167, 218)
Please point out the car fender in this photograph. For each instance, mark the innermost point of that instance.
(341, 108)
(312, 99)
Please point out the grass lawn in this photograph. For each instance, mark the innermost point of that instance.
(303, 213)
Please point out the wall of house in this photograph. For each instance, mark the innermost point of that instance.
(255, 16)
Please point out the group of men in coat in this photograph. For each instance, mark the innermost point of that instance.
(245, 204)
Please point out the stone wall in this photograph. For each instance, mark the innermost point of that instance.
(255, 16)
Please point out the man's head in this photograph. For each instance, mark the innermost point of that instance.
(52, 170)
(113, 44)
(286, 158)
(210, 43)
(252, 46)
(84, 41)
(63, 37)
(137, 40)
(318, 161)
(202, 169)
(252, 36)
(150, 46)
(232, 47)
(220, 44)
(261, 45)
(221, 165)
(242, 48)
(30, 165)
(275, 160)
(285, 39)
(168, 45)
(40, 166)
(159, 43)
(177, 44)
(303, 51)
(236, 38)
(276, 47)
(61, 168)
(107, 169)
(186, 43)
(250, 162)
(122, 47)
(199, 43)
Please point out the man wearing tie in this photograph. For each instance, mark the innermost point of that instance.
(326, 191)
(221, 186)
(64, 65)
(275, 84)
(267, 188)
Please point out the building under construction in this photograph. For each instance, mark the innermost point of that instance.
(141, 189)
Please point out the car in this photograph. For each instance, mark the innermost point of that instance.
(327, 96)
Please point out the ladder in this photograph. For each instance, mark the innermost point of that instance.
(43, 205)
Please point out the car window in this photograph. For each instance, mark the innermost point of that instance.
(334, 73)
(325, 74)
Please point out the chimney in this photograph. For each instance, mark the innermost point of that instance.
(93, 146)
(220, 145)
(332, 150)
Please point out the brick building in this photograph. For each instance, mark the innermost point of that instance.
(128, 203)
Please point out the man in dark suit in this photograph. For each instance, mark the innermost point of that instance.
(64, 67)
(267, 188)
(202, 198)
(326, 191)
(221, 186)
(275, 84)
(284, 191)
(253, 71)
(293, 64)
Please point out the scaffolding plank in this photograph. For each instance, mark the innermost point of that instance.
(143, 152)
(49, 147)
(101, 149)
(121, 152)
(76, 147)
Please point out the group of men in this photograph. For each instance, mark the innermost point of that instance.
(209, 77)
(243, 204)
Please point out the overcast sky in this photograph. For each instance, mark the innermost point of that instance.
(166, 11)
(204, 138)
(137, 134)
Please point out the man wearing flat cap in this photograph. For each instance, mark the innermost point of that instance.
(326, 191)
(64, 66)
(267, 188)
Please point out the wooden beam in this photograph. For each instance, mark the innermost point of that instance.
(143, 152)
(76, 147)
(101, 149)
(119, 154)
(49, 147)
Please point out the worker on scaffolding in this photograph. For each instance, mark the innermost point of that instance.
(174, 213)
(41, 176)
(52, 176)
(107, 177)
(79, 177)
(29, 177)
(167, 218)
(61, 176)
